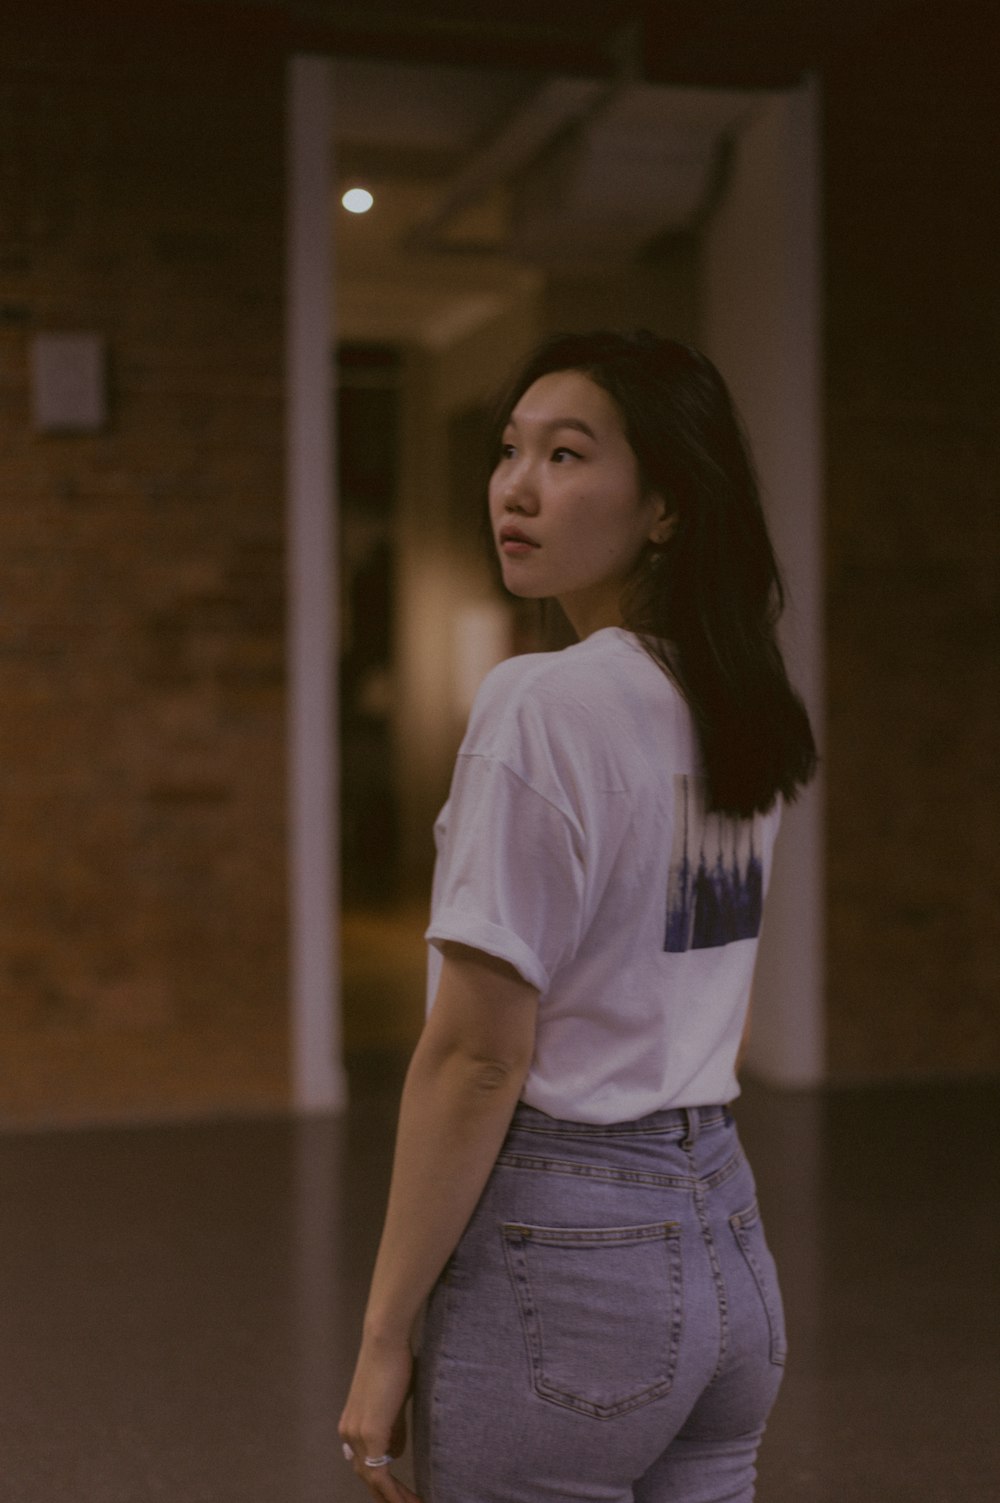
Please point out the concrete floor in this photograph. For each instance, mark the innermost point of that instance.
(180, 1304)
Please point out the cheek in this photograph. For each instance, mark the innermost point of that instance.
(624, 536)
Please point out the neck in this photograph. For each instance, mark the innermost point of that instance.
(587, 614)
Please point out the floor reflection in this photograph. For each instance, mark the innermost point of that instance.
(181, 1304)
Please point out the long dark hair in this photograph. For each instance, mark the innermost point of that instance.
(704, 604)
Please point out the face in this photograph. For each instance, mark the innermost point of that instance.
(567, 507)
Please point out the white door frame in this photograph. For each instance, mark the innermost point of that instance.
(763, 327)
(318, 1079)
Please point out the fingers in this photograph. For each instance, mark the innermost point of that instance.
(378, 1479)
(386, 1486)
(372, 1423)
(382, 1484)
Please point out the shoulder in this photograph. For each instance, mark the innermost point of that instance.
(514, 702)
(536, 684)
(574, 697)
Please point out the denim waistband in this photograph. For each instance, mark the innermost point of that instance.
(686, 1123)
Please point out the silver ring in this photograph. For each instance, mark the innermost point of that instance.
(379, 1460)
(348, 1453)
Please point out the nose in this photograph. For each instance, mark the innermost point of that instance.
(516, 491)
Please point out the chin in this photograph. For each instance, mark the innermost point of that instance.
(523, 590)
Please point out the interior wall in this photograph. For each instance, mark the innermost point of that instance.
(441, 571)
(661, 293)
(143, 933)
(913, 373)
(761, 325)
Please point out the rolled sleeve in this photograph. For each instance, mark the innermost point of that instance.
(510, 875)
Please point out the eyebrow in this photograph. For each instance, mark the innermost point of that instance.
(577, 424)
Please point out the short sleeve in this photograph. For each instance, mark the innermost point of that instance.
(510, 872)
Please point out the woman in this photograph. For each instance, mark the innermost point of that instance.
(604, 1320)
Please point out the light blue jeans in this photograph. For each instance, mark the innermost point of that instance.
(609, 1327)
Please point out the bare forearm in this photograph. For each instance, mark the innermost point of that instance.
(460, 1093)
(453, 1118)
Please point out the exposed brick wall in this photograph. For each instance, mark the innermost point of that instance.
(913, 437)
(142, 884)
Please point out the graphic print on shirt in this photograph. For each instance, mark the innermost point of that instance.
(715, 890)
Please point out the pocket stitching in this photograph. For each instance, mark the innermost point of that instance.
(515, 1235)
(740, 1221)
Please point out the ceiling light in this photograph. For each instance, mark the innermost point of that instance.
(357, 200)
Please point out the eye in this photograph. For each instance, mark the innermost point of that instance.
(506, 451)
(559, 455)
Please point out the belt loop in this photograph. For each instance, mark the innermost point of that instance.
(690, 1138)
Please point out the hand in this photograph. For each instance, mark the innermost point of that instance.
(374, 1419)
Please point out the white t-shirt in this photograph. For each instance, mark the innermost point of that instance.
(575, 845)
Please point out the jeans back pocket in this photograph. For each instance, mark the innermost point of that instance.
(749, 1233)
(601, 1311)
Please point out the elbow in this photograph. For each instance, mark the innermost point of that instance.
(480, 1077)
(493, 1077)
(476, 1074)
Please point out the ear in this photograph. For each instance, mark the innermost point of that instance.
(664, 523)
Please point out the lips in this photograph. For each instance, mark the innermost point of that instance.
(512, 539)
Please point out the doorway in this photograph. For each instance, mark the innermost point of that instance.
(504, 207)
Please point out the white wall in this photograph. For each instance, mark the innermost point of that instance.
(762, 327)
